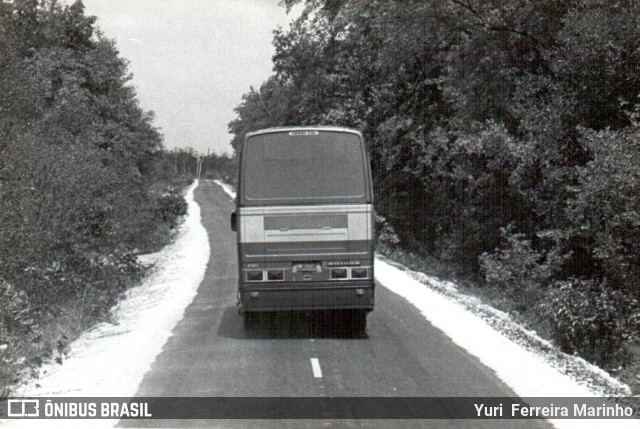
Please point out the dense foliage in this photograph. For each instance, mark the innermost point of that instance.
(503, 135)
(79, 188)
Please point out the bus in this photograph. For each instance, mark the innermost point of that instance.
(304, 221)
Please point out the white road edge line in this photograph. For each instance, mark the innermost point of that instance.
(315, 366)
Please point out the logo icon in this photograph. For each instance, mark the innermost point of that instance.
(23, 408)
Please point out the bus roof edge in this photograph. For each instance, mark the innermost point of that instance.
(302, 128)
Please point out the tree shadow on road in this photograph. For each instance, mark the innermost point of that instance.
(290, 325)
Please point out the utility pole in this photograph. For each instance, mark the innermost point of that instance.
(199, 168)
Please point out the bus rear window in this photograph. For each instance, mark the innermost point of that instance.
(294, 168)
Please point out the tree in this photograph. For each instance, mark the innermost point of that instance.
(77, 159)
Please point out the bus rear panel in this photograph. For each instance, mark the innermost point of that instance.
(304, 221)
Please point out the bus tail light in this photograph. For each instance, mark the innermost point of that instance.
(254, 276)
(359, 273)
(338, 273)
(275, 275)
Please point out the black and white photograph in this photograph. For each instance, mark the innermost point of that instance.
(320, 214)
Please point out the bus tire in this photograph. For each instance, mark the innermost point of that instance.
(359, 321)
(250, 320)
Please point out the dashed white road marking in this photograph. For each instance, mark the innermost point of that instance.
(315, 366)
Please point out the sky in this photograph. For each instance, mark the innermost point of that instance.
(192, 60)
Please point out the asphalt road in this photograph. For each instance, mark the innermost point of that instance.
(210, 353)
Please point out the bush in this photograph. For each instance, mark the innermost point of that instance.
(519, 269)
(589, 319)
(17, 327)
(170, 206)
(605, 208)
(386, 238)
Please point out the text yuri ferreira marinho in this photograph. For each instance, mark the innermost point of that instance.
(576, 410)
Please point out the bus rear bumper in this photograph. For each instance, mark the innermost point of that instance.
(284, 297)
